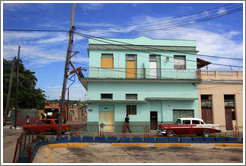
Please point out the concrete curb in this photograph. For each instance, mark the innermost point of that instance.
(172, 144)
(67, 145)
(231, 145)
(129, 144)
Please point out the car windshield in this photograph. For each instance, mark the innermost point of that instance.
(178, 121)
(56, 121)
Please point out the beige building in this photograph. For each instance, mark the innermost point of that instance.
(221, 98)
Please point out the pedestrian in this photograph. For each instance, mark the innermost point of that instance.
(43, 115)
(127, 123)
(27, 119)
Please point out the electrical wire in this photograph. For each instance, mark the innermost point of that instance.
(36, 30)
(105, 38)
(102, 40)
(95, 68)
(181, 20)
(151, 47)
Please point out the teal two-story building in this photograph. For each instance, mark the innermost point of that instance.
(154, 81)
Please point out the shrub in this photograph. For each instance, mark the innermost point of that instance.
(40, 136)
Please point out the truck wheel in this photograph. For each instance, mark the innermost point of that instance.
(206, 133)
(170, 133)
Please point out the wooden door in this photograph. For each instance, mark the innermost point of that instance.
(207, 115)
(153, 120)
(228, 119)
(130, 69)
(152, 69)
(109, 121)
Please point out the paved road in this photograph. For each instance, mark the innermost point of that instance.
(10, 137)
(106, 153)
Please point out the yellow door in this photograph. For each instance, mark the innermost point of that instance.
(109, 121)
(130, 69)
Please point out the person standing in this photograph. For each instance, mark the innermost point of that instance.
(27, 120)
(127, 118)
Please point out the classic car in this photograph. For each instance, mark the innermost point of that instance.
(47, 125)
(188, 126)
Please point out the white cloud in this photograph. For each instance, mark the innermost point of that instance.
(20, 36)
(38, 56)
(76, 92)
(14, 7)
(59, 38)
(222, 11)
(208, 42)
(92, 6)
(205, 13)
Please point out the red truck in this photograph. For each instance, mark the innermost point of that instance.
(188, 126)
(47, 125)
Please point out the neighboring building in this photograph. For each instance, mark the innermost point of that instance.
(221, 98)
(152, 80)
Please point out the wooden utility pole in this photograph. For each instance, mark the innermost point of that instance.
(9, 92)
(17, 88)
(66, 71)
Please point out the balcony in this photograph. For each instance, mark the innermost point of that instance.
(220, 75)
(142, 73)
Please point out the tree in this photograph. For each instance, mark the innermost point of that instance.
(29, 96)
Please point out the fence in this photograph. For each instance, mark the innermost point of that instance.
(142, 73)
(144, 130)
(221, 74)
(21, 116)
(23, 148)
(109, 130)
(27, 144)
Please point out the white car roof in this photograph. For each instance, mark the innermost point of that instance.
(191, 119)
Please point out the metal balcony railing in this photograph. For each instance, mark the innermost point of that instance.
(142, 73)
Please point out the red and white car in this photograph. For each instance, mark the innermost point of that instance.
(188, 126)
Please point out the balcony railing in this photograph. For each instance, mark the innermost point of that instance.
(142, 73)
(221, 75)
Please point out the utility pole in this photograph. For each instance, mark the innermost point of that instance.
(9, 92)
(17, 88)
(67, 102)
(66, 70)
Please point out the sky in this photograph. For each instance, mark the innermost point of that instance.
(44, 52)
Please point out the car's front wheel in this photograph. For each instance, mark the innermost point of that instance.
(170, 133)
(206, 133)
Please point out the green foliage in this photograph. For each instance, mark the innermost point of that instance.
(28, 95)
(40, 136)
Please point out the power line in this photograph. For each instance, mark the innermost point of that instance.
(181, 20)
(30, 30)
(98, 39)
(127, 72)
(36, 30)
(182, 24)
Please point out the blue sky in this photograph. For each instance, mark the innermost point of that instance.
(44, 52)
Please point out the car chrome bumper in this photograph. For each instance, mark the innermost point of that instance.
(158, 131)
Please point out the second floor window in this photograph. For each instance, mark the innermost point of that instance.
(179, 62)
(107, 61)
(131, 96)
(108, 96)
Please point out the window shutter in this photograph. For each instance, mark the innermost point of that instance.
(107, 62)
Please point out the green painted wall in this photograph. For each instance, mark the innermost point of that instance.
(171, 90)
(119, 90)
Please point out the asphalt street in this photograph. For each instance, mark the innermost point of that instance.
(10, 137)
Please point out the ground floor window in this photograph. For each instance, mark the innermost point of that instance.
(182, 114)
(131, 109)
